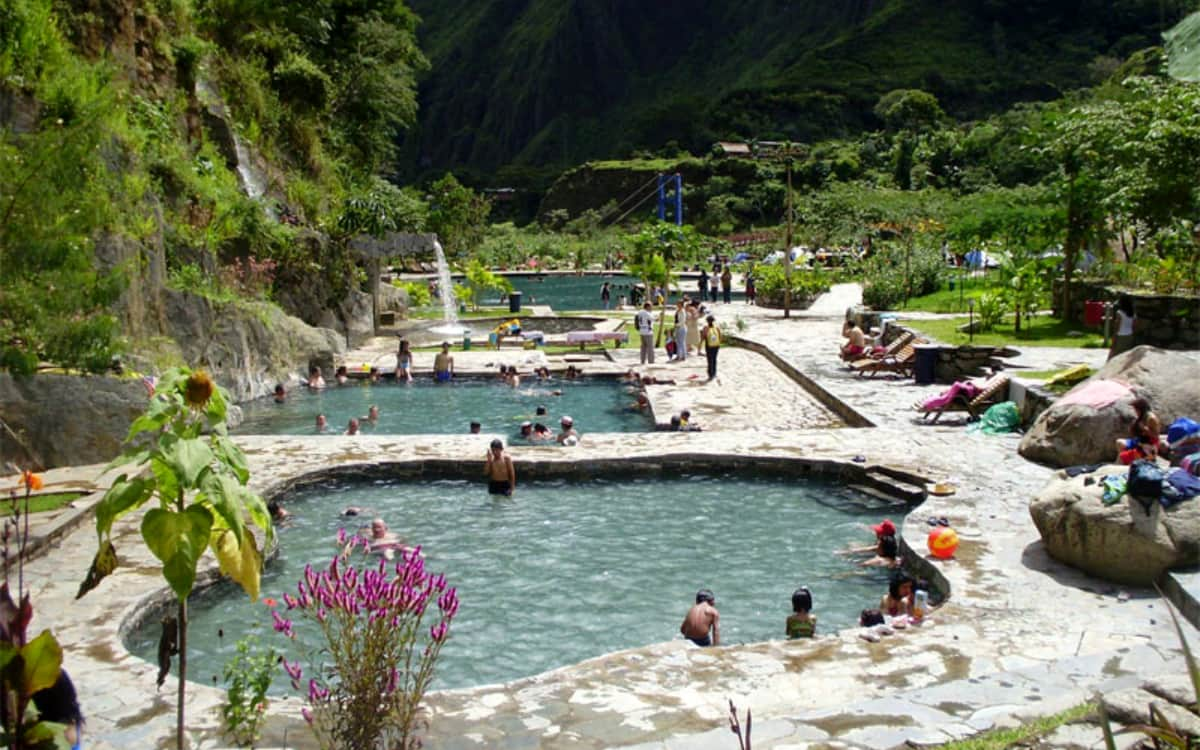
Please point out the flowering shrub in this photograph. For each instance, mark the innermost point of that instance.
(370, 618)
(250, 277)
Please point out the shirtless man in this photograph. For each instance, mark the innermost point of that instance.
(856, 342)
(700, 619)
(383, 541)
(568, 436)
(443, 365)
(502, 477)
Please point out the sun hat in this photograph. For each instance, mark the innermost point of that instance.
(885, 528)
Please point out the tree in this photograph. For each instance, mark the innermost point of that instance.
(457, 215)
(196, 477)
(909, 109)
(479, 280)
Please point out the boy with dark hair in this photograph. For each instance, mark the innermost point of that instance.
(701, 619)
(801, 623)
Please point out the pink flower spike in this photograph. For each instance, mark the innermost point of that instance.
(308, 715)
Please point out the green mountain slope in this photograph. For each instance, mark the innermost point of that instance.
(540, 82)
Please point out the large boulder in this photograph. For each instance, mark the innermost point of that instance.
(60, 420)
(248, 347)
(1069, 433)
(1120, 542)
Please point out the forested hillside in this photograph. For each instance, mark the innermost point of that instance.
(537, 82)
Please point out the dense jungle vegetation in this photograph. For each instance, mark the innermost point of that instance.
(231, 148)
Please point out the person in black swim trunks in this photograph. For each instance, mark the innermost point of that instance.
(502, 477)
(702, 617)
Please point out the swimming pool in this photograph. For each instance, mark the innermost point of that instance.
(569, 570)
(596, 405)
(571, 292)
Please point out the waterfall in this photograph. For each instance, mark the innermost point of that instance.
(450, 324)
(252, 182)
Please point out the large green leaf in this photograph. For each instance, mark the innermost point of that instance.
(165, 479)
(215, 409)
(178, 540)
(188, 459)
(223, 494)
(232, 456)
(257, 508)
(124, 494)
(128, 457)
(43, 661)
(157, 414)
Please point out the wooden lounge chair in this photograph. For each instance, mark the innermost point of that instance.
(901, 363)
(993, 391)
(890, 350)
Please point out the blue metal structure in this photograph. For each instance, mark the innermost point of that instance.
(676, 182)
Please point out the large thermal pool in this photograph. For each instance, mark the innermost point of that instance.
(423, 407)
(572, 569)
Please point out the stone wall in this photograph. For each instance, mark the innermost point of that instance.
(60, 420)
(1165, 321)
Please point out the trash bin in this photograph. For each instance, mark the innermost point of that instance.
(514, 302)
(466, 341)
(925, 363)
(1093, 313)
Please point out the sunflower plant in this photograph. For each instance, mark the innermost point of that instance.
(194, 477)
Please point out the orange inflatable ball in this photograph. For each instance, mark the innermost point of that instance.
(943, 541)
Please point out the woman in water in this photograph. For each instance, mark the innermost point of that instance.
(404, 362)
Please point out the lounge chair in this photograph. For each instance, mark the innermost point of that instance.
(901, 363)
(992, 391)
(890, 350)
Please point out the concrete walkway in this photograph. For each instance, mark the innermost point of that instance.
(1020, 636)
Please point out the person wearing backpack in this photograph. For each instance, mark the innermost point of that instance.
(711, 336)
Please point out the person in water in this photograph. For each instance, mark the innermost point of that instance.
(702, 624)
(502, 477)
(322, 423)
(443, 365)
(802, 623)
(280, 394)
(383, 541)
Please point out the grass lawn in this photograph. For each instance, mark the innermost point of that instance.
(948, 301)
(42, 502)
(1041, 331)
(431, 313)
(1001, 739)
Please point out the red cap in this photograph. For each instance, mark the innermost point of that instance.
(886, 528)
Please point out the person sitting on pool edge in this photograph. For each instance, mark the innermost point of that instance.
(898, 600)
(802, 623)
(702, 618)
(685, 422)
(443, 364)
(568, 436)
(502, 477)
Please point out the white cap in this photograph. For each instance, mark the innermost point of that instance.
(567, 420)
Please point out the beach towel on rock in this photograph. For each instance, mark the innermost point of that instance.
(1097, 394)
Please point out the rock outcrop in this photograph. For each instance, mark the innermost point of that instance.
(1067, 433)
(1121, 542)
(59, 420)
(248, 347)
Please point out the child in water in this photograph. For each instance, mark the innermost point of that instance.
(802, 623)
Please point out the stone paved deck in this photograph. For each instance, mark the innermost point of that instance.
(1020, 636)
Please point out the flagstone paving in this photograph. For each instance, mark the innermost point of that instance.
(1021, 635)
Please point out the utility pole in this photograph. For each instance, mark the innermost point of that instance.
(787, 250)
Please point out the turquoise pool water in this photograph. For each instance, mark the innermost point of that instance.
(571, 292)
(596, 405)
(569, 570)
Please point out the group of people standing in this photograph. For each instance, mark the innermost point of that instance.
(686, 336)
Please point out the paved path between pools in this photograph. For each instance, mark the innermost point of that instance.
(1020, 636)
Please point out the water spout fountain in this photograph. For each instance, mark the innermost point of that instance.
(450, 325)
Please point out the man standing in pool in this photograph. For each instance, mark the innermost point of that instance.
(443, 365)
(702, 618)
(502, 477)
